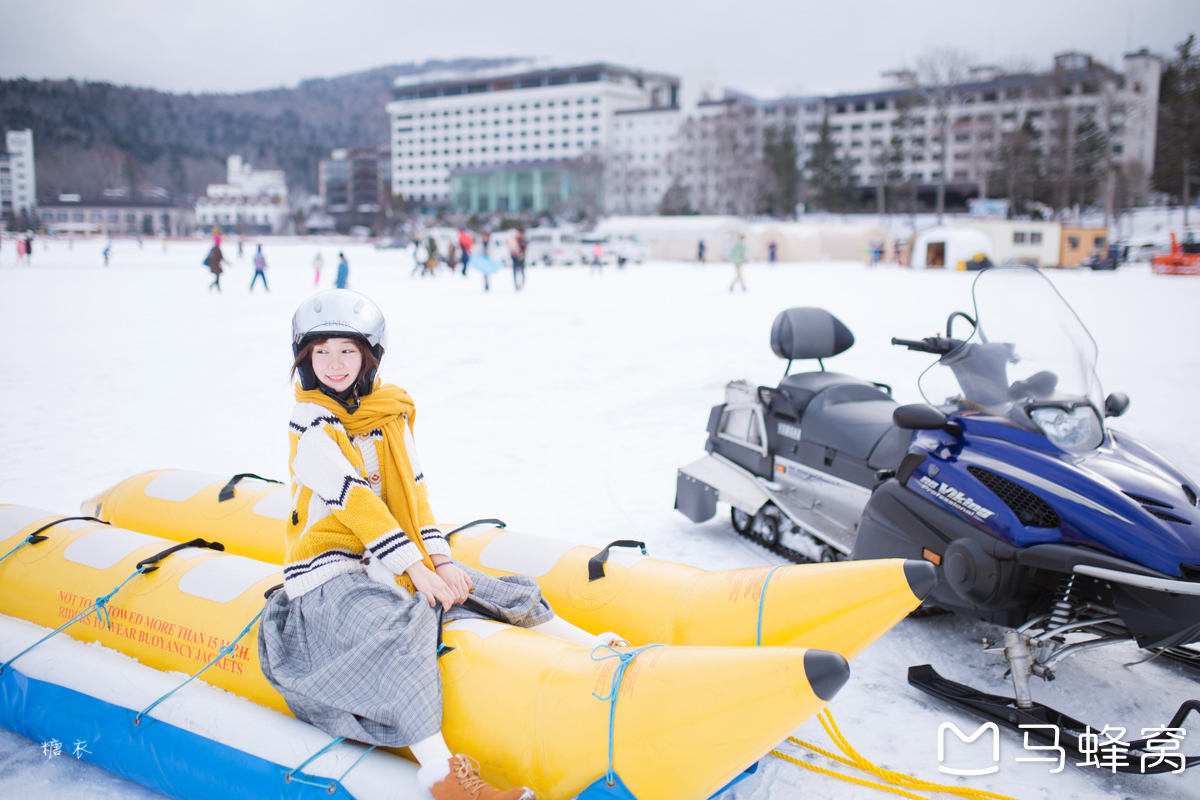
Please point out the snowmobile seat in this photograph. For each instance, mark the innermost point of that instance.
(799, 390)
(852, 418)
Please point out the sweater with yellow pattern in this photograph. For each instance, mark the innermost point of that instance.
(339, 517)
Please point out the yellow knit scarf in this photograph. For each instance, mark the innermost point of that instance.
(384, 408)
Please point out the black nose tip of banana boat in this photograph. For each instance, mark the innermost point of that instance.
(922, 577)
(827, 672)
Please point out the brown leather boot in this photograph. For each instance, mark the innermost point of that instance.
(464, 783)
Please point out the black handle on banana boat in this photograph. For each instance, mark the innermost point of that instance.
(154, 559)
(36, 536)
(499, 523)
(596, 562)
(227, 493)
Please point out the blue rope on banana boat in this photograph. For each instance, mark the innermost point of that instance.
(98, 607)
(762, 601)
(365, 753)
(36, 536)
(27, 540)
(224, 651)
(297, 775)
(626, 659)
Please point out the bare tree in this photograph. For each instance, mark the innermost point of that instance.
(941, 74)
(719, 164)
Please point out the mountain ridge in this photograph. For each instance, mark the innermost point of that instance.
(92, 135)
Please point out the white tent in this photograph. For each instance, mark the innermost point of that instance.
(677, 238)
(817, 241)
(944, 247)
(83, 228)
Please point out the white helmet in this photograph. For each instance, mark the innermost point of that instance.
(338, 313)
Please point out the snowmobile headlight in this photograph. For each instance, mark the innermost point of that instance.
(1076, 429)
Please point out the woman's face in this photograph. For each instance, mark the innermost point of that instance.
(336, 363)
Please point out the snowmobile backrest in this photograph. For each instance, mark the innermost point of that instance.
(799, 333)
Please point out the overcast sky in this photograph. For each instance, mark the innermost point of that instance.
(765, 47)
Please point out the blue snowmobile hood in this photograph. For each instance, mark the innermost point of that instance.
(1121, 498)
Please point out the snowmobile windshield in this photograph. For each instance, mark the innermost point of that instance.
(1029, 359)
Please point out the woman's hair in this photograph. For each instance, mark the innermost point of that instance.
(370, 364)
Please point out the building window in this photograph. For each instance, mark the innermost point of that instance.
(1018, 237)
(1035, 237)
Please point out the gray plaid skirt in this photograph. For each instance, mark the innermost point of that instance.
(357, 659)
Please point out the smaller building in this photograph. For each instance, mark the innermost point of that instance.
(1036, 244)
(18, 179)
(1078, 244)
(252, 201)
(116, 215)
(352, 183)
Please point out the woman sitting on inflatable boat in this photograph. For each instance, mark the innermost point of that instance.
(351, 641)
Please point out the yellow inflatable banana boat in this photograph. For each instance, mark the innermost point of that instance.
(686, 720)
(841, 607)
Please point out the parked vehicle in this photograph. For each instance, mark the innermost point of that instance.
(1184, 258)
(553, 247)
(1038, 516)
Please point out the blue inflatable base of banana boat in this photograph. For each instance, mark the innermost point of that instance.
(601, 790)
(154, 754)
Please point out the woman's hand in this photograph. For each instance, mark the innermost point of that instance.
(429, 584)
(458, 580)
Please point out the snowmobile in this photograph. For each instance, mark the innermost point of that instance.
(1039, 517)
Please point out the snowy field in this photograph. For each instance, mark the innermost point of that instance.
(564, 410)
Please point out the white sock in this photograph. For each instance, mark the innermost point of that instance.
(434, 757)
(561, 629)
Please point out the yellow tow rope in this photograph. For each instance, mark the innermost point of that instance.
(856, 760)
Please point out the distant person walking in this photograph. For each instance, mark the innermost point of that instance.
(598, 255)
(451, 259)
(432, 256)
(343, 273)
(214, 260)
(108, 252)
(738, 254)
(772, 252)
(20, 249)
(29, 247)
(700, 252)
(318, 264)
(465, 242)
(260, 270)
(516, 249)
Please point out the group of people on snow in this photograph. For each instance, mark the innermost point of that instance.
(216, 263)
(464, 250)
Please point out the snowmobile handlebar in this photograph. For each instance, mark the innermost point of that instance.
(930, 344)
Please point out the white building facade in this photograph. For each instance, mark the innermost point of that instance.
(251, 201)
(986, 104)
(517, 119)
(18, 176)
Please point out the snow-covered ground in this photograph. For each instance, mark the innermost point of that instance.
(565, 410)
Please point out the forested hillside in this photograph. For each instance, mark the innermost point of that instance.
(94, 136)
